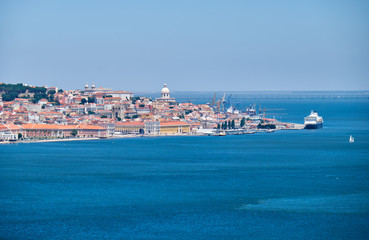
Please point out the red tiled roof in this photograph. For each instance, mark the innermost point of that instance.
(174, 123)
(59, 127)
(137, 123)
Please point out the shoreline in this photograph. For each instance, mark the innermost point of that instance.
(50, 140)
(95, 138)
(129, 136)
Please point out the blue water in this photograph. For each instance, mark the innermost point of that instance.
(308, 184)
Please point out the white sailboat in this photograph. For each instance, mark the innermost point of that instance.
(352, 139)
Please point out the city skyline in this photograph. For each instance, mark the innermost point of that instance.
(191, 46)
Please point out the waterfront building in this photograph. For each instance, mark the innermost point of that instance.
(152, 127)
(174, 127)
(7, 136)
(135, 127)
(6, 133)
(14, 129)
(31, 130)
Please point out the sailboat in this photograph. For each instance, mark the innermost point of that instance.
(352, 139)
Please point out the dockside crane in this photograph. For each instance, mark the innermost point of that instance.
(218, 106)
(213, 100)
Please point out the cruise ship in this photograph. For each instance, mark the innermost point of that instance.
(313, 121)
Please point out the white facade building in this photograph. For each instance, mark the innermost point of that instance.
(121, 94)
(152, 127)
(8, 136)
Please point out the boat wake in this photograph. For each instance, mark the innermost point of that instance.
(348, 204)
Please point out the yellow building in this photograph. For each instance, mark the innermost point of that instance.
(174, 127)
(166, 127)
(130, 127)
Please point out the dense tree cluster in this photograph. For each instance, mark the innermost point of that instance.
(227, 125)
(91, 99)
(266, 126)
(11, 91)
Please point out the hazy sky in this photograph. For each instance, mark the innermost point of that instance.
(190, 45)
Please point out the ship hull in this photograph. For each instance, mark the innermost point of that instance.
(313, 126)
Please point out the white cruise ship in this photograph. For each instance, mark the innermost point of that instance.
(313, 121)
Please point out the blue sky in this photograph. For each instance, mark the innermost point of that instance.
(190, 45)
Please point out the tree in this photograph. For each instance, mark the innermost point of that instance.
(266, 126)
(243, 122)
(51, 92)
(83, 101)
(19, 135)
(233, 124)
(218, 126)
(91, 99)
(38, 96)
(188, 111)
(60, 91)
(104, 116)
(74, 132)
(9, 96)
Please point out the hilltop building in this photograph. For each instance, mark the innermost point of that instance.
(165, 95)
(93, 89)
(124, 95)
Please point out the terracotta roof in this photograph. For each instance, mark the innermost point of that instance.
(89, 127)
(12, 126)
(137, 123)
(118, 92)
(60, 127)
(174, 123)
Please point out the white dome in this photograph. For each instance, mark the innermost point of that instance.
(165, 89)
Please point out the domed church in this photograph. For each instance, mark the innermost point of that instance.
(165, 95)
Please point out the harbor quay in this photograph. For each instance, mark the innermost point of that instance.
(30, 113)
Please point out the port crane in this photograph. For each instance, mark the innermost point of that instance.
(213, 100)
